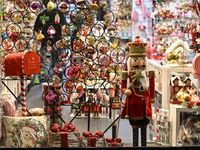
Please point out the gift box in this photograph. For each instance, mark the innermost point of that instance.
(117, 142)
(68, 136)
(96, 140)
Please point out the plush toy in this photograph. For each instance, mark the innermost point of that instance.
(137, 107)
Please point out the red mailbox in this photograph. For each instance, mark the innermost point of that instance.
(22, 63)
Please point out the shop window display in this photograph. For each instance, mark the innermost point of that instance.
(84, 65)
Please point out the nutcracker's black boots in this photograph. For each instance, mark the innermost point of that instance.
(143, 136)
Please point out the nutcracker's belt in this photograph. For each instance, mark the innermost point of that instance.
(139, 88)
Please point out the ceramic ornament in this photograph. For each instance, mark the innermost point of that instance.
(35, 6)
(51, 31)
(63, 8)
(134, 17)
(57, 19)
(50, 6)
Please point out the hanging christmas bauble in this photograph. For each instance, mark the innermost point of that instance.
(50, 6)
(35, 5)
(63, 8)
(105, 61)
(14, 36)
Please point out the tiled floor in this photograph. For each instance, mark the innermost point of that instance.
(34, 99)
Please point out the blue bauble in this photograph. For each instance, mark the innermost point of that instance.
(190, 55)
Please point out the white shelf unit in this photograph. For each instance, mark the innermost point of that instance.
(164, 79)
(175, 111)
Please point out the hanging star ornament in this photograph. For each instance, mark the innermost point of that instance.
(115, 47)
(115, 44)
(198, 41)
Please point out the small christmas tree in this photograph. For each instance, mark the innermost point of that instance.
(36, 80)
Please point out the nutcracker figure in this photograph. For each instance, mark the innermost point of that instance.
(137, 107)
(115, 101)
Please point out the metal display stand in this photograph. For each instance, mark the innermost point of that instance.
(87, 41)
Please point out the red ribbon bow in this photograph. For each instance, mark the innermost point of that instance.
(93, 138)
(68, 127)
(113, 142)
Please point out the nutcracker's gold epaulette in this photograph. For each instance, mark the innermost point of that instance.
(150, 73)
(124, 75)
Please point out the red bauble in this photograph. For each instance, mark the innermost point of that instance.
(57, 109)
(62, 102)
(14, 36)
(49, 110)
(45, 109)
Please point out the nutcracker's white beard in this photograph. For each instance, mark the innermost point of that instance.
(142, 80)
(129, 64)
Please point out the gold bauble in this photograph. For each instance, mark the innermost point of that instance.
(50, 6)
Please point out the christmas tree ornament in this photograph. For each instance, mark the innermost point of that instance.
(104, 5)
(91, 40)
(48, 55)
(81, 2)
(50, 6)
(93, 7)
(42, 73)
(35, 5)
(103, 48)
(63, 8)
(90, 52)
(57, 19)
(51, 31)
(89, 19)
(14, 35)
(78, 45)
(56, 80)
(1, 17)
(40, 36)
(111, 30)
(49, 47)
(105, 61)
(107, 19)
(34, 47)
(50, 96)
(36, 80)
(44, 19)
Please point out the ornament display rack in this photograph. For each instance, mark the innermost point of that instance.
(10, 19)
(18, 35)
